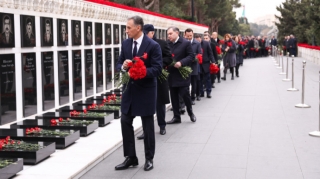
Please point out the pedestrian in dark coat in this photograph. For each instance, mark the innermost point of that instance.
(207, 59)
(239, 54)
(183, 55)
(139, 96)
(214, 41)
(229, 59)
(162, 85)
(195, 75)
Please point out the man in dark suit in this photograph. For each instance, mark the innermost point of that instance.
(273, 42)
(47, 38)
(195, 77)
(207, 58)
(292, 45)
(139, 96)
(162, 85)
(7, 38)
(214, 41)
(29, 38)
(251, 47)
(182, 53)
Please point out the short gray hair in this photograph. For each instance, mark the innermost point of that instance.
(175, 29)
(137, 20)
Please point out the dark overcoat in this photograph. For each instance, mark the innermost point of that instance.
(140, 95)
(207, 57)
(183, 53)
(239, 55)
(196, 48)
(162, 86)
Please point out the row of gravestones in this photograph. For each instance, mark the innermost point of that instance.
(33, 140)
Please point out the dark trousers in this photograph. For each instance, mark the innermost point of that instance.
(231, 70)
(129, 148)
(205, 81)
(237, 68)
(161, 115)
(195, 90)
(185, 95)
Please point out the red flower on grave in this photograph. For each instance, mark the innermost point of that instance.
(85, 111)
(60, 119)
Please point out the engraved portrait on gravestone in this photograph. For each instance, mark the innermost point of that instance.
(46, 32)
(88, 33)
(123, 33)
(107, 29)
(98, 33)
(7, 30)
(62, 32)
(28, 31)
(76, 30)
(116, 34)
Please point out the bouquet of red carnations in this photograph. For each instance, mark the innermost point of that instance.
(199, 58)
(185, 71)
(214, 68)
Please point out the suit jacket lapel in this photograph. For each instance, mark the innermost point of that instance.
(143, 46)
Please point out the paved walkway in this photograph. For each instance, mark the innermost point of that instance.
(249, 129)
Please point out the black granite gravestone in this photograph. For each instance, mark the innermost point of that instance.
(29, 84)
(8, 88)
(77, 74)
(48, 80)
(63, 74)
(89, 72)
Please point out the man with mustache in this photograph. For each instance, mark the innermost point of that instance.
(47, 34)
(7, 39)
(29, 38)
(63, 34)
(77, 35)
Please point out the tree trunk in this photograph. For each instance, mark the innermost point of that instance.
(139, 4)
(214, 25)
(156, 7)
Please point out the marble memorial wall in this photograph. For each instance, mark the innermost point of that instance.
(55, 52)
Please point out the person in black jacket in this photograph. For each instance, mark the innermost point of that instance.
(214, 41)
(207, 58)
(251, 47)
(182, 55)
(162, 85)
(239, 54)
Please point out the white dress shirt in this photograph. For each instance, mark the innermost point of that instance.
(176, 40)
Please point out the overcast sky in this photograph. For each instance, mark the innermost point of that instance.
(258, 8)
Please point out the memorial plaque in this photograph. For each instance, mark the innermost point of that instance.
(99, 70)
(77, 74)
(46, 31)
(29, 84)
(115, 60)
(116, 34)
(88, 33)
(76, 32)
(89, 72)
(98, 33)
(48, 80)
(6, 30)
(8, 88)
(108, 71)
(63, 72)
(123, 33)
(28, 31)
(62, 29)
(107, 28)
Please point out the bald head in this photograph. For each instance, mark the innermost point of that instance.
(214, 35)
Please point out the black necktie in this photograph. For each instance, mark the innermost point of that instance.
(134, 53)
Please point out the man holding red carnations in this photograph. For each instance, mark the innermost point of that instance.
(140, 91)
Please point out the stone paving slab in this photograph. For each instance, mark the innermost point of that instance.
(248, 129)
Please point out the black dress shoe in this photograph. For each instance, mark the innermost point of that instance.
(128, 162)
(140, 137)
(219, 81)
(198, 98)
(237, 76)
(193, 118)
(213, 86)
(148, 165)
(208, 96)
(182, 111)
(232, 78)
(192, 102)
(202, 95)
(223, 78)
(174, 121)
(163, 131)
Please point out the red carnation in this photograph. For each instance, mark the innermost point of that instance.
(199, 57)
(252, 49)
(221, 42)
(60, 119)
(218, 50)
(145, 56)
(242, 43)
(257, 50)
(172, 55)
(214, 68)
(130, 64)
(85, 111)
(138, 70)
(229, 44)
